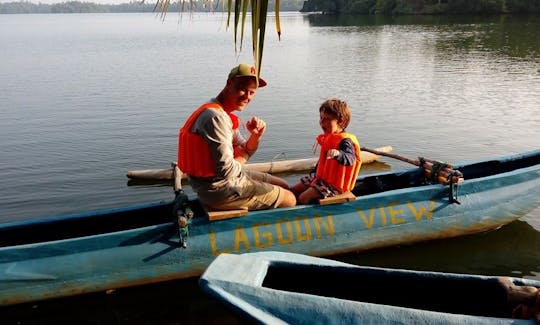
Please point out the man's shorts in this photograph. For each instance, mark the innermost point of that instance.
(253, 194)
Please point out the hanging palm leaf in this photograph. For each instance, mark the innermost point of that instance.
(259, 13)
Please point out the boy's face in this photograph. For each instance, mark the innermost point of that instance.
(329, 123)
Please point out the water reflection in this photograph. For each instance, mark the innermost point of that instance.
(512, 36)
(317, 20)
(511, 250)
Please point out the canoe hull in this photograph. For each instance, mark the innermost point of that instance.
(277, 287)
(126, 257)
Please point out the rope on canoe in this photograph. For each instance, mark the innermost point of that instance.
(181, 210)
(183, 214)
(436, 169)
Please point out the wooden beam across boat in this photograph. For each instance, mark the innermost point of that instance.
(272, 167)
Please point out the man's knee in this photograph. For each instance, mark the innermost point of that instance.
(289, 200)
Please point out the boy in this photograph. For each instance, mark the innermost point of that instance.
(339, 160)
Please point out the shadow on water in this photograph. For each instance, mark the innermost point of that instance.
(174, 302)
(149, 182)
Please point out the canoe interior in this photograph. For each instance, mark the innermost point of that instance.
(78, 225)
(418, 290)
(415, 177)
(111, 220)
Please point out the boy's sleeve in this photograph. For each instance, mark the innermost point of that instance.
(347, 155)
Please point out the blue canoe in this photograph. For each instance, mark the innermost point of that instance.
(289, 288)
(96, 251)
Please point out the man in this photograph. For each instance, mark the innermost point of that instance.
(211, 151)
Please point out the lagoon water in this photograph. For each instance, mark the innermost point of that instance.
(86, 97)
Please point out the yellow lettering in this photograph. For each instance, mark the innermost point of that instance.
(422, 210)
(257, 236)
(240, 236)
(213, 245)
(328, 225)
(383, 216)
(298, 228)
(394, 213)
(279, 233)
(367, 222)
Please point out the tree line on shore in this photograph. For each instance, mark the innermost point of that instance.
(363, 7)
(421, 7)
(26, 7)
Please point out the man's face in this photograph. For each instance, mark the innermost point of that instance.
(240, 92)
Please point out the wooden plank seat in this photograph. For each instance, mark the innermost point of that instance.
(340, 198)
(226, 214)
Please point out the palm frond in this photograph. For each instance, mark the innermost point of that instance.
(244, 14)
(278, 23)
(259, 14)
(263, 13)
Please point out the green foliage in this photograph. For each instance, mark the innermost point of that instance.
(76, 7)
(475, 6)
(324, 6)
(430, 7)
(25, 7)
(360, 6)
(525, 6)
(385, 7)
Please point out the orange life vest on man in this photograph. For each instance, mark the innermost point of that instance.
(331, 171)
(194, 156)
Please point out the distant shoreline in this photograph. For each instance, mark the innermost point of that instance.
(26, 7)
(330, 7)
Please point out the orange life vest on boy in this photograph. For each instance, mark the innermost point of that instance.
(331, 171)
(194, 156)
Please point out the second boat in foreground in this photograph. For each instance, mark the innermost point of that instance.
(286, 288)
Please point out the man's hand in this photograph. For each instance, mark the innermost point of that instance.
(256, 126)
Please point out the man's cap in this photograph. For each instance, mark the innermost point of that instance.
(246, 70)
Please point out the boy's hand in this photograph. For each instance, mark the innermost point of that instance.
(332, 153)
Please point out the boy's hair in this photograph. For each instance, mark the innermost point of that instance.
(337, 108)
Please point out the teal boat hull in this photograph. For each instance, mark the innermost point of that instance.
(97, 251)
(288, 288)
